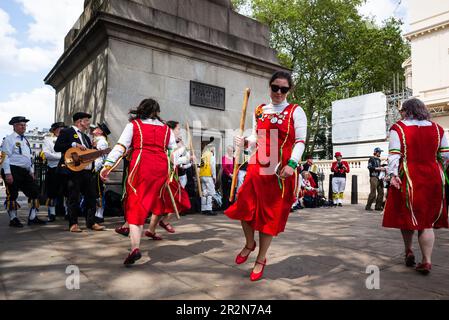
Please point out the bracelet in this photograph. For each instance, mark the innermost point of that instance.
(107, 167)
(292, 164)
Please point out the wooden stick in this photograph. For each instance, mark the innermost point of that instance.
(172, 198)
(238, 150)
(195, 168)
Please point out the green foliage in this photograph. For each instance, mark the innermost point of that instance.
(333, 53)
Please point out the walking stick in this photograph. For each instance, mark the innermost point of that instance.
(195, 168)
(172, 198)
(238, 149)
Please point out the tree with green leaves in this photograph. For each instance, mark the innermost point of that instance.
(333, 52)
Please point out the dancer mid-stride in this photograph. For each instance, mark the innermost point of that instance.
(148, 174)
(266, 196)
(419, 151)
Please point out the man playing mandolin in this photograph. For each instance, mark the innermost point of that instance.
(80, 181)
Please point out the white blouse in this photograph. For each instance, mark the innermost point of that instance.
(127, 137)
(395, 143)
(300, 124)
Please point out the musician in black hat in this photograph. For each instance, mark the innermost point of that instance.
(100, 142)
(54, 181)
(82, 182)
(18, 173)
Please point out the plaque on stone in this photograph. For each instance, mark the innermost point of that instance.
(207, 96)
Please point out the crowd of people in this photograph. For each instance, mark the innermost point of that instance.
(163, 176)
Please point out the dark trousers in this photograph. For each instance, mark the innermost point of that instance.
(56, 189)
(81, 183)
(376, 185)
(24, 182)
(226, 182)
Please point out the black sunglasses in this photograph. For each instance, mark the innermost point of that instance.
(276, 88)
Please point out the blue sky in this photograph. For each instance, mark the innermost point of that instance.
(31, 40)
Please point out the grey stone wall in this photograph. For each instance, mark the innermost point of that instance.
(136, 72)
(86, 91)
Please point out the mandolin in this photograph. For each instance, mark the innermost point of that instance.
(76, 159)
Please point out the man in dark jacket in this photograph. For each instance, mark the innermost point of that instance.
(376, 184)
(82, 182)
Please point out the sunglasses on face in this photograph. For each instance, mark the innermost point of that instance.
(276, 88)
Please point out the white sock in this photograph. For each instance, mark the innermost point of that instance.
(99, 213)
(32, 214)
(12, 214)
(52, 211)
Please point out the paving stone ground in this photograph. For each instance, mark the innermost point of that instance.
(324, 254)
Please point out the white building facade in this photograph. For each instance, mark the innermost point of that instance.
(428, 69)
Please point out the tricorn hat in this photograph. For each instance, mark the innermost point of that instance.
(57, 125)
(104, 128)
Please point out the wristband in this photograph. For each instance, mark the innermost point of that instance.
(292, 164)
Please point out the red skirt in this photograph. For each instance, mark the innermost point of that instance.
(429, 207)
(144, 191)
(180, 196)
(262, 203)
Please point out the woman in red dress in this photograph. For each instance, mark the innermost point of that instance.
(148, 173)
(181, 160)
(268, 192)
(416, 199)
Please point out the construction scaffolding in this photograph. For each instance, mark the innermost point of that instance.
(394, 103)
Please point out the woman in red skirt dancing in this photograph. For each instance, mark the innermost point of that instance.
(268, 192)
(178, 179)
(419, 151)
(148, 173)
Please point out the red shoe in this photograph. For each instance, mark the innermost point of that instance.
(153, 236)
(132, 257)
(242, 259)
(424, 268)
(167, 226)
(409, 258)
(123, 231)
(257, 276)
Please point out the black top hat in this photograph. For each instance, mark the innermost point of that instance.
(81, 115)
(57, 125)
(104, 128)
(18, 119)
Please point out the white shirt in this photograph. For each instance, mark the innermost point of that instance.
(299, 122)
(181, 157)
(101, 144)
(127, 137)
(395, 143)
(48, 148)
(18, 153)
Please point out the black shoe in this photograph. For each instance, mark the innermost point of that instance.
(36, 221)
(212, 213)
(15, 223)
(207, 213)
(368, 209)
(340, 205)
(99, 220)
(379, 209)
(51, 218)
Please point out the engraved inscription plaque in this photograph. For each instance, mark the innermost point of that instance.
(207, 96)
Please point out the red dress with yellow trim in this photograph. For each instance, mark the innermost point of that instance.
(420, 203)
(148, 172)
(264, 201)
